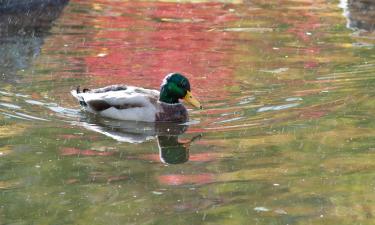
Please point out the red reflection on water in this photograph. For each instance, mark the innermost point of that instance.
(311, 65)
(76, 151)
(306, 30)
(198, 157)
(179, 179)
(203, 157)
(138, 43)
(313, 114)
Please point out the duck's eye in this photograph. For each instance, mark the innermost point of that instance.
(183, 84)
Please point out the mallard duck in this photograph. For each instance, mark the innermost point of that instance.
(139, 104)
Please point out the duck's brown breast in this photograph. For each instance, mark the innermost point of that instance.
(171, 113)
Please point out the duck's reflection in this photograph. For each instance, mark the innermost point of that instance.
(172, 150)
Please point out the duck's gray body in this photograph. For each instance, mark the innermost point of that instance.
(130, 103)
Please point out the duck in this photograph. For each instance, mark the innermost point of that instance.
(130, 103)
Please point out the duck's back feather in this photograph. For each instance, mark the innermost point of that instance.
(109, 88)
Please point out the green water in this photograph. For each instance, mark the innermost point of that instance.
(286, 135)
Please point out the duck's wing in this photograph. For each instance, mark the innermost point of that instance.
(120, 97)
(120, 102)
(107, 89)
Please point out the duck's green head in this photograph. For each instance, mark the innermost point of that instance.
(174, 87)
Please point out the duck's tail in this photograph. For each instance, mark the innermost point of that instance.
(76, 94)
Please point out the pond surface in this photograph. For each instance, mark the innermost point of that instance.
(286, 135)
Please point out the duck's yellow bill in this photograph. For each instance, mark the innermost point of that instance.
(192, 100)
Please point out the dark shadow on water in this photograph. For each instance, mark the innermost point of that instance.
(171, 149)
(23, 26)
(361, 14)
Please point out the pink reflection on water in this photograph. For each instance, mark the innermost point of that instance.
(138, 43)
(305, 30)
(197, 157)
(180, 179)
(75, 151)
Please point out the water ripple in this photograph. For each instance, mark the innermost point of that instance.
(278, 107)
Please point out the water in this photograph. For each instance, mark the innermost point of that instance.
(286, 135)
